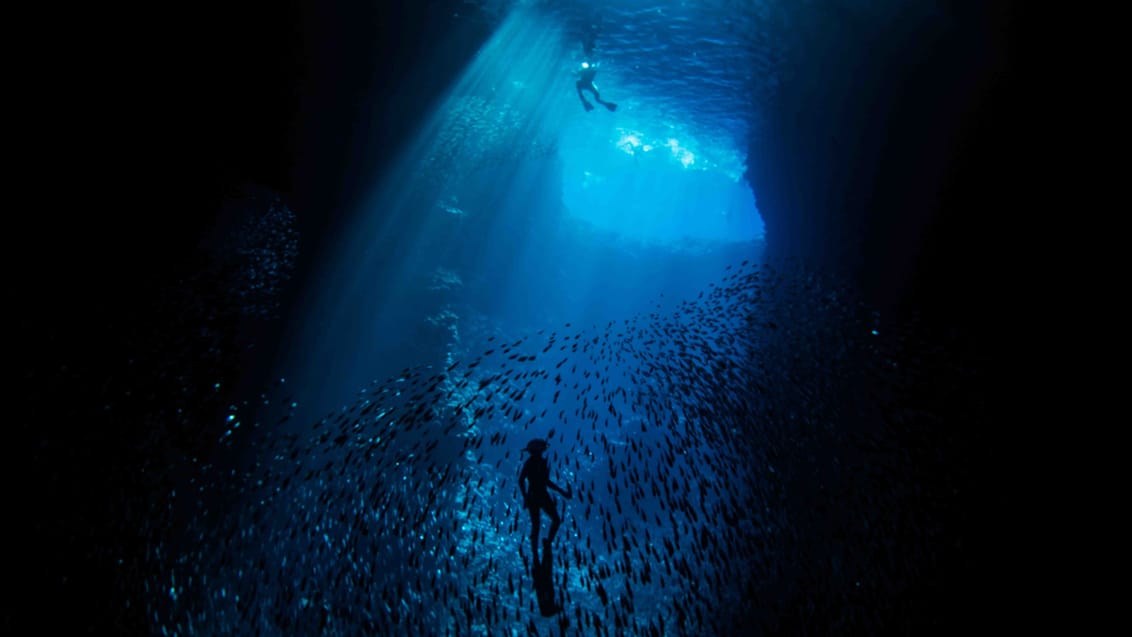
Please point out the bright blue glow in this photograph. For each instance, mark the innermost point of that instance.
(627, 182)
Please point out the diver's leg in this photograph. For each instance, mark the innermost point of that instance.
(597, 98)
(535, 523)
(580, 85)
(555, 520)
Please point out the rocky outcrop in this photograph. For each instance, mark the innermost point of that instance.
(880, 157)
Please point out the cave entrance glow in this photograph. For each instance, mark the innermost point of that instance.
(644, 181)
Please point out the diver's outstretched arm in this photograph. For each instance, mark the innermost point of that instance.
(569, 494)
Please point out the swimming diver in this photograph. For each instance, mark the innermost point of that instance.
(534, 479)
(586, 82)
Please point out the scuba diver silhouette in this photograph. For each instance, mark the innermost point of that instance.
(586, 75)
(586, 82)
(534, 479)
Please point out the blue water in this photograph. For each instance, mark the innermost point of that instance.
(526, 269)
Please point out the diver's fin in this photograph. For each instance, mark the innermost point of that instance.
(589, 107)
(610, 105)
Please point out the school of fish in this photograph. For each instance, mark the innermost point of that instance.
(740, 461)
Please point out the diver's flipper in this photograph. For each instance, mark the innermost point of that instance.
(610, 105)
(589, 107)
